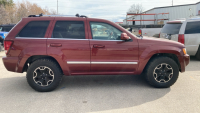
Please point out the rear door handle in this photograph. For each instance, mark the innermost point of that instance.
(98, 46)
(56, 45)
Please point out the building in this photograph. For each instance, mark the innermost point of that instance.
(164, 14)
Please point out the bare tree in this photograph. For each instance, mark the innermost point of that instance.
(15, 12)
(136, 8)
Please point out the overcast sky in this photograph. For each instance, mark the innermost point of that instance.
(114, 10)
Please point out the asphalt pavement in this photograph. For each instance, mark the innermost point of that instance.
(101, 94)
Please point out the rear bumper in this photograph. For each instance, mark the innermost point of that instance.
(10, 63)
(185, 61)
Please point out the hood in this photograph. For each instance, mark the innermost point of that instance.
(161, 41)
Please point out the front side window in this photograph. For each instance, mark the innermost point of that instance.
(192, 28)
(104, 31)
(35, 29)
(69, 29)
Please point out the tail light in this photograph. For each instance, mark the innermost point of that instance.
(140, 32)
(181, 38)
(7, 45)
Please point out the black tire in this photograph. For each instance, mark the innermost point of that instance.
(160, 77)
(198, 54)
(50, 67)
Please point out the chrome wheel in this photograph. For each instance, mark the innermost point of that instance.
(43, 76)
(163, 73)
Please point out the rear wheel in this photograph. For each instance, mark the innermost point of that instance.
(44, 75)
(198, 54)
(162, 72)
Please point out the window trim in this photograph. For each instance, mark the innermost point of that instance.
(104, 23)
(68, 21)
(34, 21)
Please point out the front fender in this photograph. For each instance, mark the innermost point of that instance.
(147, 53)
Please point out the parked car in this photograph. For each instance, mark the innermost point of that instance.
(186, 32)
(48, 47)
(144, 30)
(4, 29)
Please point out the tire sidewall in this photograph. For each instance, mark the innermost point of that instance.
(155, 64)
(52, 66)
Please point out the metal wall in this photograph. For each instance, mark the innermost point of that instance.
(175, 12)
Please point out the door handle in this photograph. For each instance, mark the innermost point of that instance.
(98, 46)
(56, 45)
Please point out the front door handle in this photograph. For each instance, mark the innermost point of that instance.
(98, 46)
(56, 45)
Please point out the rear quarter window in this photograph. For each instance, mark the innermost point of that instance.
(192, 28)
(35, 29)
(171, 28)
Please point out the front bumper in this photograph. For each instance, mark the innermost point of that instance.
(184, 62)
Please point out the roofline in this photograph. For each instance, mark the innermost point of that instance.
(171, 6)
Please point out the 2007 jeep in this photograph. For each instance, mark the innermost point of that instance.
(48, 47)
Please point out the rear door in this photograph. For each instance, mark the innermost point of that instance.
(69, 44)
(109, 53)
(192, 37)
(170, 31)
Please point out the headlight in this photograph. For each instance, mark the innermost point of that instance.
(184, 51)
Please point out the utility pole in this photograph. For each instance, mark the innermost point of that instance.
(57, 7)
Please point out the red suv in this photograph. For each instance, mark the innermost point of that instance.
(48, 47)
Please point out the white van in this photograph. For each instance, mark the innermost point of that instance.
(186, 32)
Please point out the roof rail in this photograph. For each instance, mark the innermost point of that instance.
(77, 15)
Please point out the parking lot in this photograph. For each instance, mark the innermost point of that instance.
(101, 94)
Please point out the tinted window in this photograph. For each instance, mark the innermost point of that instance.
(104, 31)
(34, 29)
(171, 28)
(69, 29)
(6, 28)
(192, 27)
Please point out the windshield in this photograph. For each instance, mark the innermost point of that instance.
(6, 28)
(171, 28)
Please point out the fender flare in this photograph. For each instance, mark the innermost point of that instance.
(149, 52)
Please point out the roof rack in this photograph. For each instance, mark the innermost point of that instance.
(77, 15)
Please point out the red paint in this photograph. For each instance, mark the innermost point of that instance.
(181, 38)
(174, 22)
(88, 50)
(143, 20)
(141, 14)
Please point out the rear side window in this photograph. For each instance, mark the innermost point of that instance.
(69, 29)
(171, 28)
(192, 28)
(34, 29)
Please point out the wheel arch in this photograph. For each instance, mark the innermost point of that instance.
(170, 55)
(143, 63)
(37, 57)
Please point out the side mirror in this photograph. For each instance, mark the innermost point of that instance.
(124, 36)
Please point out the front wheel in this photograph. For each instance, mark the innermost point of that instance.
(162, 72)
(44, 75)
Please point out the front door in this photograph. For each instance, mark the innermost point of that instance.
(109, 53)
